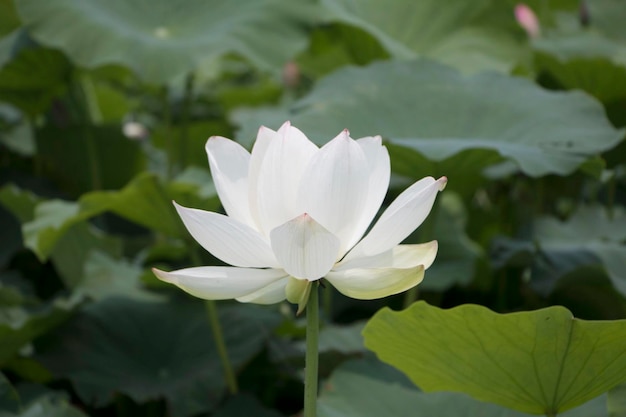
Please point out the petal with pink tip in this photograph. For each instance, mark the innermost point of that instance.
(400, 219)
(304, 248)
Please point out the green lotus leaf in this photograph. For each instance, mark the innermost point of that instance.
(161, 39)
(440, 113)
(367, 388)
(539, 362)
(455, 33)
(151, 350)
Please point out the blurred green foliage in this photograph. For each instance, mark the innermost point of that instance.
(104, 111)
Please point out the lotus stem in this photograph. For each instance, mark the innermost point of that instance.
(218, 335)
(311, 358)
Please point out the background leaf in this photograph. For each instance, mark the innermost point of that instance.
(151, 350)
(162, 40)
(365, 387)
(439, 113)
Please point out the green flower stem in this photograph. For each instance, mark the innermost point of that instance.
(311, 359)
(218, 335)
(216, 329)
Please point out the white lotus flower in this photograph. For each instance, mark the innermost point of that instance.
(297, 213)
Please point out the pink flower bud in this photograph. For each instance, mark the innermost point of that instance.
(527, 19)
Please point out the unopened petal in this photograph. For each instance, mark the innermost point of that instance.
(304, 248)
(369, 284)
(379, 173)
(401, 256)
(264, 137)
(270, 294)
(227, 239)
(279, 177)
(400, 219)
(229, 163)
(334, 187)
(220, 282)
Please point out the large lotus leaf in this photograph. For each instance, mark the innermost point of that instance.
(362, 388)
(438, 112)
(145, 201)
(19, 326)
(151, 350)
(590, 229)
(162, 39)
(452, 32)
(539, 362)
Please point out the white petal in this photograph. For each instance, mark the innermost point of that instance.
(304, 248)
(263, 139)
(400, 219)
(227, 239)
(368, 284)
(229, 163)
(335, 186)
(401, 256)
(270, 294)
(220, 282)
(379, 168)
(279, 177)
